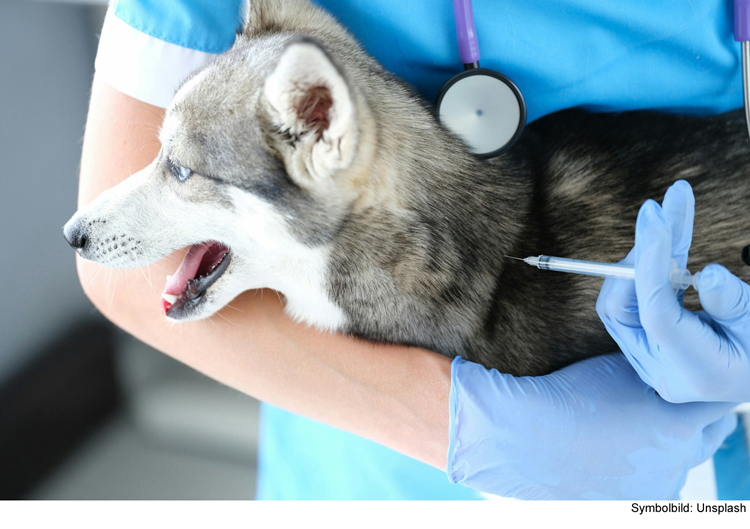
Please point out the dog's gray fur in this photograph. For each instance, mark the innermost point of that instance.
(410, 227)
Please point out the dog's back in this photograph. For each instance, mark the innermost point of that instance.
(594, 172)
(572, 187)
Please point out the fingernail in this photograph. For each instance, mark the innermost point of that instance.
(683, 186)
(710, 278)
(650, 226)
(652, 210)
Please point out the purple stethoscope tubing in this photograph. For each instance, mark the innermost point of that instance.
(468, 45)
(742, 35)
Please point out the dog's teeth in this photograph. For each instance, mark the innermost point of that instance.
(168, 278)
(192, 288)
(169, 298)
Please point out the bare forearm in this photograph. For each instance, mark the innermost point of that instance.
(395, 395)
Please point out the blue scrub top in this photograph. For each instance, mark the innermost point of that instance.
(603, 55)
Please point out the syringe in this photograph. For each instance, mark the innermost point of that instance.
(681, 279)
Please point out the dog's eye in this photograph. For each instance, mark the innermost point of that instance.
(180, 172)
(183, 173)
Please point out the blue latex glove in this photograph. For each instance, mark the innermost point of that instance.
(685, 356)
(592, 430)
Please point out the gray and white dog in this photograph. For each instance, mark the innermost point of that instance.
(295, 162)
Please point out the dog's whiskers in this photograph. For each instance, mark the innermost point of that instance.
(144, 144)
(222, 316)
(160, 268)
(85, 290)
(150, 127)
(155, 113)
(114, 288)
(146, 278)
(108, 281)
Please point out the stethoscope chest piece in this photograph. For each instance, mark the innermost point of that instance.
(484, 108)
(481, 106)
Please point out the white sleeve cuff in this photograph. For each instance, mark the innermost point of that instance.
(142, 66)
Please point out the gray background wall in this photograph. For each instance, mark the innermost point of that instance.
(46, 66)
(179, 435)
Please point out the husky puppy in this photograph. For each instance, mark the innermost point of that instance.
(295, 162)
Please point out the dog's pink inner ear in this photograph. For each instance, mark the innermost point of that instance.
(313, 109)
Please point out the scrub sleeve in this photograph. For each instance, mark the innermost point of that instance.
(602, 56)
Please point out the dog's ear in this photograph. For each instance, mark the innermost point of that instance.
(273, 16)
(312, 105)
(259, 16)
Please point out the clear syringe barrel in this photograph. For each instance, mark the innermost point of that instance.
(680, 278)
(574, 266)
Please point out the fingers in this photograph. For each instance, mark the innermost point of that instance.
(704, 414)
(714, 435)
(672, 227)
(658, 305)
(629, 259)
(678, 209)
(617, 307)
(617, 303)
(723, 295)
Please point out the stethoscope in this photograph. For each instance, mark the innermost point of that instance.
(742, 35)
(482, 106)
(487, 110)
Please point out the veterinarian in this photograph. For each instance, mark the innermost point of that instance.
(556, 436)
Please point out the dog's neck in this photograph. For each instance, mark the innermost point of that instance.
(411, 166)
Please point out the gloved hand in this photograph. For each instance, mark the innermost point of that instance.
(685, 356)
(592, 430)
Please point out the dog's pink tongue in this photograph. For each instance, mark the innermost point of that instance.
(187, 271)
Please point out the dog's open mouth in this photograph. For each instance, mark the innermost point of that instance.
(201, 267)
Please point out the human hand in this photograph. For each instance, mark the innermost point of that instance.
(592, 430)
(685, 356)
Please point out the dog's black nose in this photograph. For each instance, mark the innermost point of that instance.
(75, 236)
